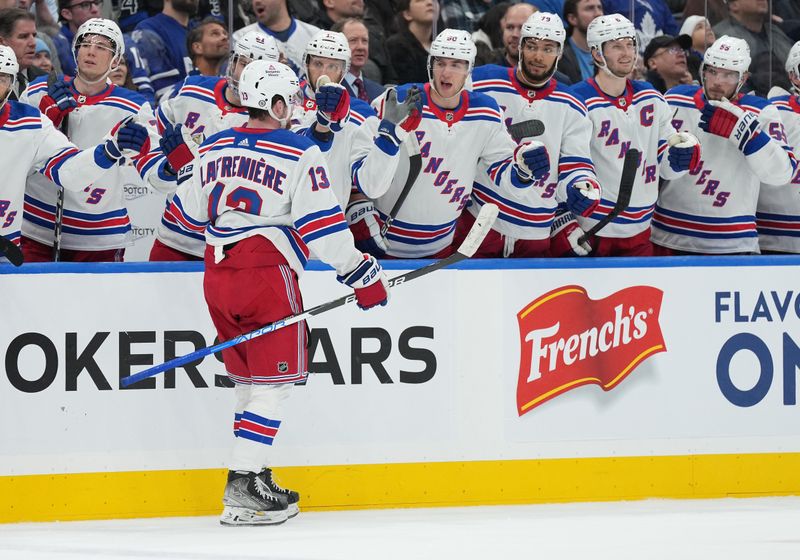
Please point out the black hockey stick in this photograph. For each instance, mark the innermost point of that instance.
(629, 167)
(414, 167)
(11, 251)
(526, 129)
(51, 79)
(483, 223)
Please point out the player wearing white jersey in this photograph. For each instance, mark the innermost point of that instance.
(30, 143)
(627, 114)
(527, 218)
(203, 106)
(264, 194)
(349, 133)
(460, 133)
(778, 212)
(712, 210)
(95, 220)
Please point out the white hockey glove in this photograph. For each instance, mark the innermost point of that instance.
(365, 227)
(565, 234)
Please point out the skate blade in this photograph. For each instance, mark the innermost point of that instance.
(244, 517)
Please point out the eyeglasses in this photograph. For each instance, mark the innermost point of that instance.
(87, 5)
(670, 50)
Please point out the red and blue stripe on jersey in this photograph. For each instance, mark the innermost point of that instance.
(78, 223)
(513, 212)
(708, 227)
(319, 224)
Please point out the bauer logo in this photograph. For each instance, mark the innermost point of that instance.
(568, 339)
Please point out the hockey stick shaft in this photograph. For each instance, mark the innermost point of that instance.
(59, 218)
(11, 251)
(629, 166)
(480, 228)
(414, 167)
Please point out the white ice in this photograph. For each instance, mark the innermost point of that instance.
(729, 529)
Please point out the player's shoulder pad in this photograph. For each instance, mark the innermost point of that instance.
(687, 90)
(754, 102)
(582, 90)
(563, 92)
(22, 111)
(198, 80)
(361, 109)
(782, 102)
(130, 95)
(489, 72)
(479, 99)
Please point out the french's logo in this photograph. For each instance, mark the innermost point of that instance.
(568, 339)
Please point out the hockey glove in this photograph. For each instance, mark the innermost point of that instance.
(583, 196)
(369, 283)
(564, 236)
(127, 139)
(531, 161)
(684, 151)
(365, 227)
(723, 118)
(333, 106)
(175, 146)
(57, 102)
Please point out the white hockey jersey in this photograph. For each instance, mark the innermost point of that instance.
(528, 213)
(778, 211)
(713, 208)
(272, 183)
(292, 42)
(455, 145)
(355, 158)
(95, 218)
(29, 143)
(200, 106)
(638, 119)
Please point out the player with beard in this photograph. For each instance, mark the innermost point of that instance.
(461, 134)
(628, 114)
(529, 224)
(161, 40)
(712, 210)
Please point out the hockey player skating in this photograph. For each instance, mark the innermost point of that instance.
(529, 224)
(96, 226)
(778, 213)
(265, 196)
(358, 147)
(203, 106)
(628, 114)
(461, 132)
(30, 143)
(712, 209)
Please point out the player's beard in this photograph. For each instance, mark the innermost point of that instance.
(537, 80)
(186, 6)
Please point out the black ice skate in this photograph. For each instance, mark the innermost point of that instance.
(248, 500)
(292, 497)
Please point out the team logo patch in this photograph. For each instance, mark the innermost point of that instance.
(568, 339)
(622, 102)
(81, 99)
(283, 367)
(262, 103)
(449, 116)
(531, 94)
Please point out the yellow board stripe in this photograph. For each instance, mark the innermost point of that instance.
(198, 492)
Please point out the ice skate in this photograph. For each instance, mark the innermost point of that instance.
(292, 497)
(249, 500)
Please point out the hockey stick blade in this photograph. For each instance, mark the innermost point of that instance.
(526, 129)
(480, 228)
(414, 167)
(11, 251)
(629, 167)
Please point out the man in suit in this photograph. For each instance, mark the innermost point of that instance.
(18, 31)
(358, 38)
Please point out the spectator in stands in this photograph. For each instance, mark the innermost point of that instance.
(665, 61)
(749, 20)
(511, 25)
(354, 81)
(18, 31)
(161, 41)
(72, 14)
(42, 59)
(714, 10)
(208, 47)
(650, 17)
(702, 35)
(121, 77)
(576, 62)
(787, 14)
(488, 34)
(464, 14)
(292, 35)
(408, 48)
